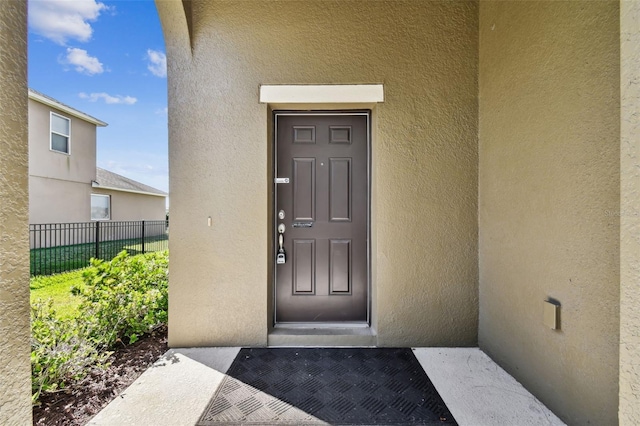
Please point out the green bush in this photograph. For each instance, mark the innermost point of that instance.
(125, 297)
(121, 300)
(60, 350)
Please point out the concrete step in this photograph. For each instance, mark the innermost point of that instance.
(322, 337)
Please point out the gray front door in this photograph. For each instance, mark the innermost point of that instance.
(324, 209)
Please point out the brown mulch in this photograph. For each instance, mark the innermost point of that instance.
(77, 405)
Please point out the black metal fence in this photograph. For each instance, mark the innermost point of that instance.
(59, 247)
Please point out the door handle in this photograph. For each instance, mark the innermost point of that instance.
(281, 257)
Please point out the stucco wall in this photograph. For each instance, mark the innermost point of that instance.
(79, 165)
(59, 184)
(425, 158)
(15, 370)
(549, 178)
(629, 413)
(58, 201)
(131, 206)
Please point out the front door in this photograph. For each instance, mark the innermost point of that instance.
(324, 207)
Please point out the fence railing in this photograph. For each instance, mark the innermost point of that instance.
(59, 247)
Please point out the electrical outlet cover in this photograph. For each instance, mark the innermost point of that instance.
(551, 311)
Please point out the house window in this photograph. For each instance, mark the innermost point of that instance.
(100, 207)
(60, 133)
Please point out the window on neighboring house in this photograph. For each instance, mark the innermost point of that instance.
(100, 207)
(60, 133)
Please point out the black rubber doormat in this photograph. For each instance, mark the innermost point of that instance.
(338, 386)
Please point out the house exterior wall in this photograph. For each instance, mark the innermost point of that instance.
(58, 201)
(132, 206)
(79, 165)
(60, 184)
(424, 169)
(15, 369)
(549, 179)
(629, 408)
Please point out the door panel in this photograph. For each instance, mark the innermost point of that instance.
(340, 266)
(340, 189)
(340, 134)
(304, 134)
(304, 188)
(304, 259)
(326, 204)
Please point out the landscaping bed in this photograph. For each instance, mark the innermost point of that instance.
(79, 403)
(93, 332)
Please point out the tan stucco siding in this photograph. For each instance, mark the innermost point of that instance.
(15, 370)
(79, 165)
(548, 199)
(629, 413)
(424, 169)
(132, 206)
(60, 184)
(61, 201)
(58, 201)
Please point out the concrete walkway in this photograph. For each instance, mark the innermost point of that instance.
(176, 389)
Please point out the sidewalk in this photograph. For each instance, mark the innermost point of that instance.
(176, 389)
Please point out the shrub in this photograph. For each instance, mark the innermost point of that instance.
(121, 300)
(60, 351)
(125, 297)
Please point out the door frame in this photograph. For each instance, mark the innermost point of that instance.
(274, 234)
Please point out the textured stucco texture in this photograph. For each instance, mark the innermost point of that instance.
(629, 410)
(15, 370)
(424, 169)
(549, 176)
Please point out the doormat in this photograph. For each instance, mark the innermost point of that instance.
(338, 386)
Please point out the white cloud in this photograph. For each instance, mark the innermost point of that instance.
(157, 63)
(83, 62)
(62, 20)
(118, 99)
(162, 111)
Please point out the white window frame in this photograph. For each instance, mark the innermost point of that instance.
(51, 132)
(109, 209)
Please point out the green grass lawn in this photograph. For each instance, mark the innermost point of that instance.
(53, 260)
(58, 288)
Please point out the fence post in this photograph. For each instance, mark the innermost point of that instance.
(97, 239)
(143, 237)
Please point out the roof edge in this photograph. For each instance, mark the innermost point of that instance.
(112, 188)
(43, 99)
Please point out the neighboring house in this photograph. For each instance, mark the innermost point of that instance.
(64, 183)
(116, 197)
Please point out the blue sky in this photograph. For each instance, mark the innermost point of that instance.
(107, 59)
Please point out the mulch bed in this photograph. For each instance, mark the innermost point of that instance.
(78, 404)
